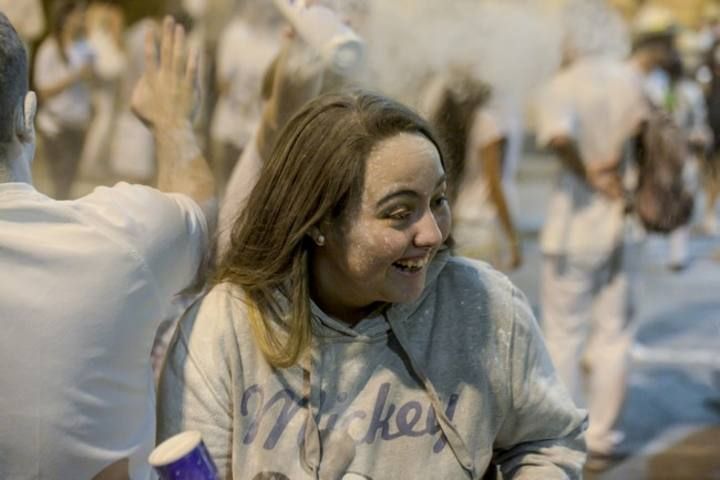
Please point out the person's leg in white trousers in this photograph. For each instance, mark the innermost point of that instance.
(566, 301)
(679, 248)
(585, 309)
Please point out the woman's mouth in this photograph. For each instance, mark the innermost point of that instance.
(412, 265)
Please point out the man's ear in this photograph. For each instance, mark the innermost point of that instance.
(25, 118)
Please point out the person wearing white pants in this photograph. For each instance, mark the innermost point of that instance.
(587, 311)
(588, 115)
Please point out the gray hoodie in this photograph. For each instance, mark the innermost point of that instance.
(436, 389)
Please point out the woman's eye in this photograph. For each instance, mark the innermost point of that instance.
(440, 201)
(400, 215)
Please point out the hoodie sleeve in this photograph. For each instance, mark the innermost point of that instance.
(195, 389)
(542, 435)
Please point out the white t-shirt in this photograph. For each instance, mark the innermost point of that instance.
(72, 106)
(491, 123)
(85, 284)
(244, 53)
(599, 102)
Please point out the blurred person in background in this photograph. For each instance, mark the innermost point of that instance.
(205, 20)
(590, 115)
(711, 171)
(90, 280)
(480, 149)
(105, 30)
(63, 72)
(673, 89)
(239, 76)
(132, 152)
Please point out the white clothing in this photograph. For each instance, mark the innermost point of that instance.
(86, 284)
(599, 103)
(110, 60)
(585, 320)
(244, 53)
(679, 253)
(472, 205)
(70, 108)
(26, 16)
(243, 179)
(490, 124)
(476, 228)
(109, 64)
(132, 149)
(503, 119)
(587, 242)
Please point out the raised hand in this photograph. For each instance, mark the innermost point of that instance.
(166, 96)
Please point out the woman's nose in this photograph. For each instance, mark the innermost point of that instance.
(428, 233)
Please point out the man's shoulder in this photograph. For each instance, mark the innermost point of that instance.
(133, 200)
(157, 225)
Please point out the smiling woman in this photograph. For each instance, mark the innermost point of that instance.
(343, 337)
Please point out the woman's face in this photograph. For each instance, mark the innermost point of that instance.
(381, 250)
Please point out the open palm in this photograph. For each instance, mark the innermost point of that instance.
(165, 96)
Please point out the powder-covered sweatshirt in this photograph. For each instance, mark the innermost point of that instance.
(435, 389)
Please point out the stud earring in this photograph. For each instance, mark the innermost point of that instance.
(320, 240)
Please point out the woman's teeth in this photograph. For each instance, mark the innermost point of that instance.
(412, 265)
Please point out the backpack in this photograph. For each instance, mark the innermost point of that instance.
(661, 199)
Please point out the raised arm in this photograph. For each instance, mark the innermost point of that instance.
(165, 99)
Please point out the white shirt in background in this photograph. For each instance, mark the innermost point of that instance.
(71, 107)
(244, 53)
(85, 284)
(491, 123)
(132, 148)
(598, 102)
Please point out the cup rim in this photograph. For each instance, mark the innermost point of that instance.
(174, 448)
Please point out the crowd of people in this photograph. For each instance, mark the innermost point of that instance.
(308, 273)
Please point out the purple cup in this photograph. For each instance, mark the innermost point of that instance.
(183, 457)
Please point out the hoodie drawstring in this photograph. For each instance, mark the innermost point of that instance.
(310, 448)
(457, 444)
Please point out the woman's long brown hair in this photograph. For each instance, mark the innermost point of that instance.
(316, 169)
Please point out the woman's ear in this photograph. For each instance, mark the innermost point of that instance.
(25, 118)
(317, 236)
